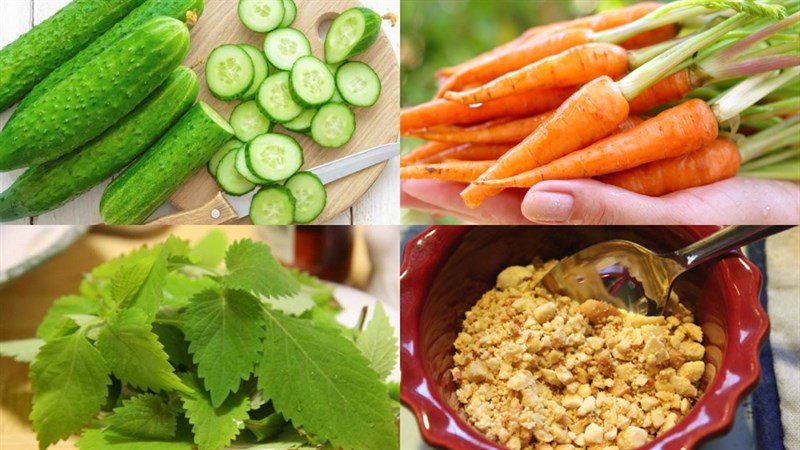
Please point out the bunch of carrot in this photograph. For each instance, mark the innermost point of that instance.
(633, 97)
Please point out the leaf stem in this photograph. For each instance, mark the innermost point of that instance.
(750, 91)
(777, 136)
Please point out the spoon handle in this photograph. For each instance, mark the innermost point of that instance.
(723, 241)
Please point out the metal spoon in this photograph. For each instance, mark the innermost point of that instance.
(629, 276)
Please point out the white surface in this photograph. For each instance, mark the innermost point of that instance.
(380, 205)
(22, 250)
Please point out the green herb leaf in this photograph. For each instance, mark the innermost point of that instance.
(110, 440)
(69, 386)
(23, 350)
(295, 305)
(179, 289)
(145, 416)
(134, 354)
(289, 439)
(175, 344)
(69, 304)
(224, 331)
(210, 251)
(213, 428)
(252, 268)
(378, 343)
(109, 268)
(267, 427)
(128, 280)
(151, 293)
(320, 381)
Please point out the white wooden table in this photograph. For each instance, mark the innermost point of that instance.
(380, 205)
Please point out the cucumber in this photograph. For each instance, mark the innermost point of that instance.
(261, 15)
(337, 97)
(261, 67)
(213, 163)
(333, 125)
(301, 123)
(229, 179)
(50, 185)
(274, 157)
(244, 170)
(146, 184)
(353, 32)
(272, 205)
(275, 99)
(229, 72)
(285, 46)
(185, 10)
(358, 84)
(311, 82)
(309, 194)
(95, 96)
(290, 13)
(29, 59)
(248, 121)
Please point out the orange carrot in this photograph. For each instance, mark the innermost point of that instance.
(468, 152)
(676, 131)
(460, 171)
(512, 132)
(574, 66)
(424, 151)
(716, 161)
(591, 114)
(651, 37)
(444, 112)
(670, 89)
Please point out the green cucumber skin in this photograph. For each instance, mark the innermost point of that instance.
(177, 9)
(146, 185)
(47, 187)
(372, 28)
(29, 59)
(95, 96)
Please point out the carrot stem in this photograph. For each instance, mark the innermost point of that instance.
(658, 18)
(788, 169)
(771, 158)
(777, 136)
(639, 57)
(750, 91)
(778, 108)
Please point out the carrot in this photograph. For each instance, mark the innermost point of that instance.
(444, 112)
(651, 37)
(460, 171)
(670, 89)
(423, 151)
(512, 132)
(674, 132)
(574, 66)
(716, 161)
(590, 114)
(468, 152)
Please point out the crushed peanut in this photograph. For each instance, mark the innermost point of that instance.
(540, 371)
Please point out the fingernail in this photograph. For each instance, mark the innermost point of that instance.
(552, 207)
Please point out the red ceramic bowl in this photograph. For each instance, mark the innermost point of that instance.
(446, 269)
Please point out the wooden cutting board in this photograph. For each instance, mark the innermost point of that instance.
(376, 125)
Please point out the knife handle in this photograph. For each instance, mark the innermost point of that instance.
(215, 212)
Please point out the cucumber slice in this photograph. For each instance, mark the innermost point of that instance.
(272, 205)
(285, 46)
(274, 157)
(244, 170)
(301, 123)
(248, 121)
(358, 84)
(229, 72)
(261, 67)
(333, 125)
(213, 163)
(290, 14)
(311, 82)
(261, 15)
(309, 194)
(353, 32)
(229, 179)
(275, 99)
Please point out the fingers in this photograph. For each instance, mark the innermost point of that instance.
(443, 196)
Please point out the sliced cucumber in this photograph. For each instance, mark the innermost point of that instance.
(274, 157)
(358, 84)
(213, 163)
(244, 170)
(272, 205)
(333, 125)
(311, 82)
(275, 99)
(229, 72)
(309, 194)
(285, 46)
(229, 179)
(261, 67)
(248, 121)
(301, 123)
(337, 97)
(290, 14)
(353, 32)
(261, 15)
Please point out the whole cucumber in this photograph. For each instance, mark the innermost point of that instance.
(46, 187)
(183, 10)
(146, 185)
(29, 59)
(95, 96)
